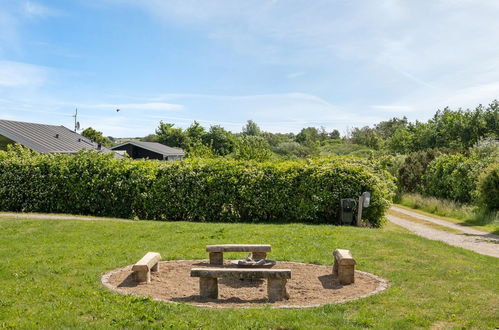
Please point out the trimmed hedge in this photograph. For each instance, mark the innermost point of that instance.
(195, 190)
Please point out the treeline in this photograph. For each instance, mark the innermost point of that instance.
(451, 129)
(454, 130)
(251, 144)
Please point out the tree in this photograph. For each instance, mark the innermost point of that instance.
(150, 138)
(251, 128)
(171, 136)
(308, 136)
(195, 132)
(367, 136)
(96, 136)
(400, 141)
(249, 147)
(221, 141)
(335, 134)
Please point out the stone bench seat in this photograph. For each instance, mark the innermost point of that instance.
(276, 280)
(258, 251)
(142, 269)
(344, 266)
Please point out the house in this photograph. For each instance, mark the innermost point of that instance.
(149, 150)
(45, 138)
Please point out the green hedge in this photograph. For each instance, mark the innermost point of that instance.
(195, 190)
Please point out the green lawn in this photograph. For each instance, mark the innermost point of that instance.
(50, 276)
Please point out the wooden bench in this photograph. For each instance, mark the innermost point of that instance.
(344, 266)
(142, 269)
(276, 280)
(258, 251)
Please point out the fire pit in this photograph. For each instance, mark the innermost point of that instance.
(249, 262)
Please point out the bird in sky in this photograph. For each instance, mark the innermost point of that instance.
(118, 110)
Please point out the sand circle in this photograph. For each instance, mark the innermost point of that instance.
(310, 286)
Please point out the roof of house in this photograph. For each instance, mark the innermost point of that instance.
(47, 138)
(155, 147)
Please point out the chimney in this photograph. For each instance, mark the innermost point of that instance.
(57, 136)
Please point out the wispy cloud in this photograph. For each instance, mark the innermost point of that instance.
(17, 74)
(147, 106)
(33, 9)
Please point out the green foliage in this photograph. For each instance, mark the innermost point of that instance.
(251, 128)
(292, 150)
(488, 188)
(222, 190)
(96, 136)
(195, 133)
(411, 172)
(221, 141)
(197, 190)
(452, 177)
(171, 136)
(452, 129)
(367, 136)
(252, 147)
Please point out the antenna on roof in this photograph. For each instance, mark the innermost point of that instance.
(77, 124)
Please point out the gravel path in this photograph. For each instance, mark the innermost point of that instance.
(469, 238)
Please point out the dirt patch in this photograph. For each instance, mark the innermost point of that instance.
(310, 286)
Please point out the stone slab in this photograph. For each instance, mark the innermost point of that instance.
(241, 273)
(147, 262)
(239, 248)
(343, 257)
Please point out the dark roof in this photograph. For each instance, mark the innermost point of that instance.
(155, 147)
(46, 138)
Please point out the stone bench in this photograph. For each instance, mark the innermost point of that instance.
(258, 251)
(276, 280)
(344, 266)
(142, 269)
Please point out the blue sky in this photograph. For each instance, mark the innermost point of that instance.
(285, 64)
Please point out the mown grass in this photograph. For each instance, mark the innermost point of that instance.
(50, 276)
(454, 212)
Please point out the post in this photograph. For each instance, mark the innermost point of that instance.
(216, 258)
(359, 211)
(276, 289)
(208, 287)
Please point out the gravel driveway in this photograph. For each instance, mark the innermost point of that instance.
(467, 238)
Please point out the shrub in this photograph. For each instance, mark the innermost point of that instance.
(452, 177)
(488, 188)
(413, 169)
(194, 190)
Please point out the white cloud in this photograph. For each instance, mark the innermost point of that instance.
(154, 106)
(33, 9)
(17, 74)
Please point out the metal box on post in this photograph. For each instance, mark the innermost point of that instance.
(347, 206)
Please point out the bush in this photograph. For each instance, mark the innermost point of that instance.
(193, 190)
(488, 188)
(413, 169)
(453, 177)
